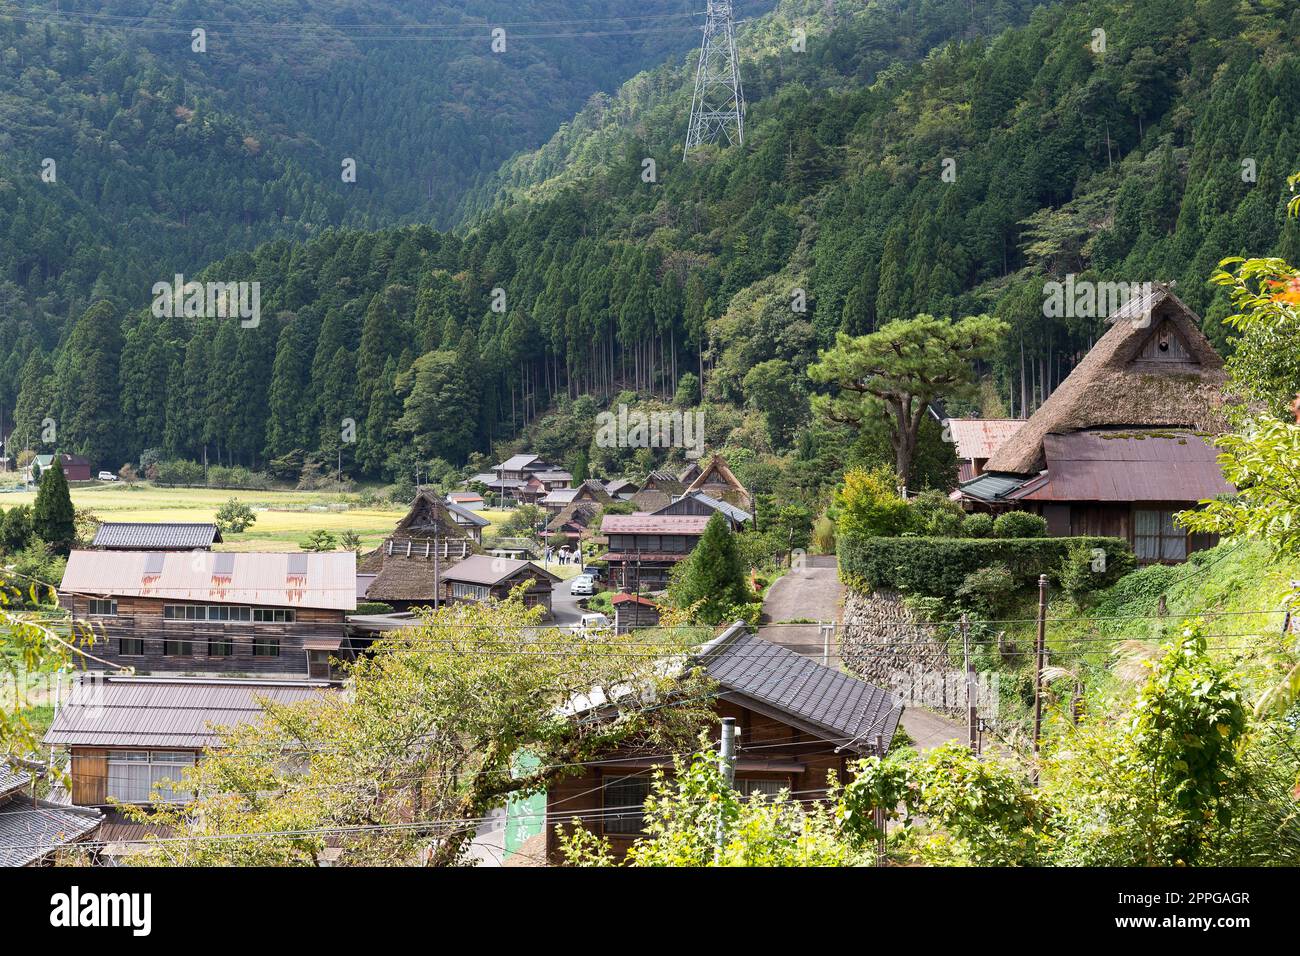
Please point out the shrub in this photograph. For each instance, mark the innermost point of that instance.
(374, 607)
(935, 515)
(1084, 568)
(1020, 524)
(868, 504)
(937, 567)
(989, 590)
(978, 525)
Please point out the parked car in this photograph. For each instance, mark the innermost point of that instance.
(107, 476)
(583, 584)
(595, 574)
(591, 624)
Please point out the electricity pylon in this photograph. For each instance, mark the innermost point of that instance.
(718, 107)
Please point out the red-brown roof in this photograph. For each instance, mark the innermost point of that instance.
(654, 524)
(1127, 465)
(624, 597)
(981, 437)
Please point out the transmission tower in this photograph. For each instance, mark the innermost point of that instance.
(718, 107)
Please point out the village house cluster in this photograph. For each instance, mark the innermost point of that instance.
(1121, 446)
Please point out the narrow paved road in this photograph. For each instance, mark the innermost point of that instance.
(814, 593)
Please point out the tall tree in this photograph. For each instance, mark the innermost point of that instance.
(53, 517)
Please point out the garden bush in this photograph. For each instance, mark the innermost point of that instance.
(938, 567)
(1020, 524)
(977, 525)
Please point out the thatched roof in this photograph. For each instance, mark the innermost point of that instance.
(406, 574)
(717, 481)
(660, 489)
(1153, 367)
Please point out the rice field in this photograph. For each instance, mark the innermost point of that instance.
(284, 518)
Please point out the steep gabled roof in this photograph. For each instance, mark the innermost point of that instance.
(716, 475)
(487, 570)
(1115, 385)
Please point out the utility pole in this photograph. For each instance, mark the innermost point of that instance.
(879, 813)
(1039, 652)
(727, 750)
(718, 105)
(972, 718)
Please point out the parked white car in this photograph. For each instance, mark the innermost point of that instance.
(583, 584)
(107, 476)
(591, 624)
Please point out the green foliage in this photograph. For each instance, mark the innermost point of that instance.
(374, 607)
(711, 581)
(687, 811)
(989, 590)
(1084, 569)
(868, 505)
(234, 517)
(977, 525)
(938, 567)
(53, 517)
(1019, 524)
(319, 541)
(935, 515)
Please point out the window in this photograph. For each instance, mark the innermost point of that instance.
(103, 607)
(769, 788)
(273, 615)
(177, 648)
(134, 775)
(225, 613)
(130, 646)
(625, 804)
(1157, 538)
(472, 592)
(220, 647)
(266, 647)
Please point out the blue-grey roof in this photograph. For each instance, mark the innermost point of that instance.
(29, 832)
(470, 516)
(155, 536)
(991, 486)
(11, 779)
(841, 709)
(739, 515)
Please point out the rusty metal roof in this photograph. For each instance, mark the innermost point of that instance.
(981, 437)
(1127, 464)
(166, 712)
(260, 578)
(654, 524)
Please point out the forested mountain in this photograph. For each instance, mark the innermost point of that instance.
(126, 154)
(1124, 163)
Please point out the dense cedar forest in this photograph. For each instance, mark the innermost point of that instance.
(1124, 164)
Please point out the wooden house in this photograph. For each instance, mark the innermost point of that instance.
(797, 722)
(633, 612)
(574, 519)
(213, 612)
(717, 481)
(698, 503)
(75, 467)
(34, 830)
(431, 537)
(1125, 442)
(643, 548)
(660, 489)
(128, 736)
(472, 522)
(482, 577)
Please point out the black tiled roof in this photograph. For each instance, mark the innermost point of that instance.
(847, 711)
(28, 833)
(155, 536)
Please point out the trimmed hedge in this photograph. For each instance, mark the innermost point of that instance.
(936, 567)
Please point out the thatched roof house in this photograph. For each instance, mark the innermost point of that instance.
(717, 481)
(573, 519)
(660, 489)
(1153, 367)
(427, 540)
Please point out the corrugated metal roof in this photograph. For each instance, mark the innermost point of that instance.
(470, 516)
(28, 833)
(155, 536)
(991, 487)
(166, 712)
(1128, 465)
(726, 507)
(258, 578)
(488, 570)
(981, 437)
(842, 708)
(653, 524)
(517, 462)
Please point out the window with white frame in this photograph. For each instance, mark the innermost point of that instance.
(472, 592)
(103, 607)
(229, 613)
(134, 775)
(624, 810)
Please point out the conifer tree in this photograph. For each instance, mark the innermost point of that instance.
(53, 517)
